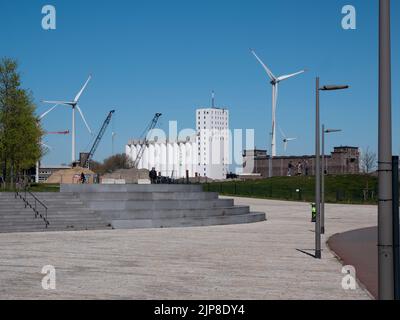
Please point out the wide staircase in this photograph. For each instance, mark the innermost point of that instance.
(65, 211)
(99, 207)
(161, 206)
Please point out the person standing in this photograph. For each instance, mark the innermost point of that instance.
(299, 169)
(153, 175)
(306, 168)
(290, 167)
(83, 178)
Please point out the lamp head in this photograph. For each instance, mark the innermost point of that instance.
(333, 87)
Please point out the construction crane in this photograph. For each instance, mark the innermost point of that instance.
(48, 147)
(148, 129)
(85, 158)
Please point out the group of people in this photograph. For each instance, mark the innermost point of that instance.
(301, 168)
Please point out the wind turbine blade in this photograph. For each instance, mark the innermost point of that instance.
(47, 112)
(83, 89)
(282, 133)
(282, 78)
(65, 103)
(83, 118)
(270, 74)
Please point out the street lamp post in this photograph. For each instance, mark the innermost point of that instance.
(318, 165)
(317, 177)
(323, 176)
(385, 219)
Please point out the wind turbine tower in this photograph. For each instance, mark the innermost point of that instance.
(74, 106)
(275, 84)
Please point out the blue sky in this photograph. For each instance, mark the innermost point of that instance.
(167, 56)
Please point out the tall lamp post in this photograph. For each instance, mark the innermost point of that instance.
(318, 165)
(385, 218)
(324, 131)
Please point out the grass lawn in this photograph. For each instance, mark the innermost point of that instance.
(338, 189)
(37, 188)
(357, 189)
(44, 187)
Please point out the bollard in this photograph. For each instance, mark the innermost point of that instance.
(313, 212)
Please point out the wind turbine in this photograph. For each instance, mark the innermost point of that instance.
(275, 83)
(39, 119)
(286, 140)
(74, 105)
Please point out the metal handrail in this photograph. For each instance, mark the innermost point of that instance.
(34, 207)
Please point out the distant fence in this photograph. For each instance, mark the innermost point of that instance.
(365, 196)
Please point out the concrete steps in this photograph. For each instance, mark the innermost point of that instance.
(129, 188)
(149, 196)
(173, 213)
(192, 222)
(65, 212)
(160, 206)
(93, 207)
(37, 228)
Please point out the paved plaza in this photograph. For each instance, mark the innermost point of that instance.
(266, 260)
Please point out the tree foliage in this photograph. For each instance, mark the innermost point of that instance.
(20, 132)
(111, 164)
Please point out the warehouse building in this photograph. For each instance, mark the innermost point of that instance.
(343, 160)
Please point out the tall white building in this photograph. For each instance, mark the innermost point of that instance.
(212, 126)
(206, 154)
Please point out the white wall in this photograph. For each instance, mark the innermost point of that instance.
(167, 157)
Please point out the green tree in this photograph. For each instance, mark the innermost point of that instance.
(20, 131)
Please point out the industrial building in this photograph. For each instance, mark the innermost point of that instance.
(46, 171)
(169, 158)
(212, 126)
(205, 154)
(343, 160)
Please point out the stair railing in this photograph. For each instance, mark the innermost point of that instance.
(38, 207)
